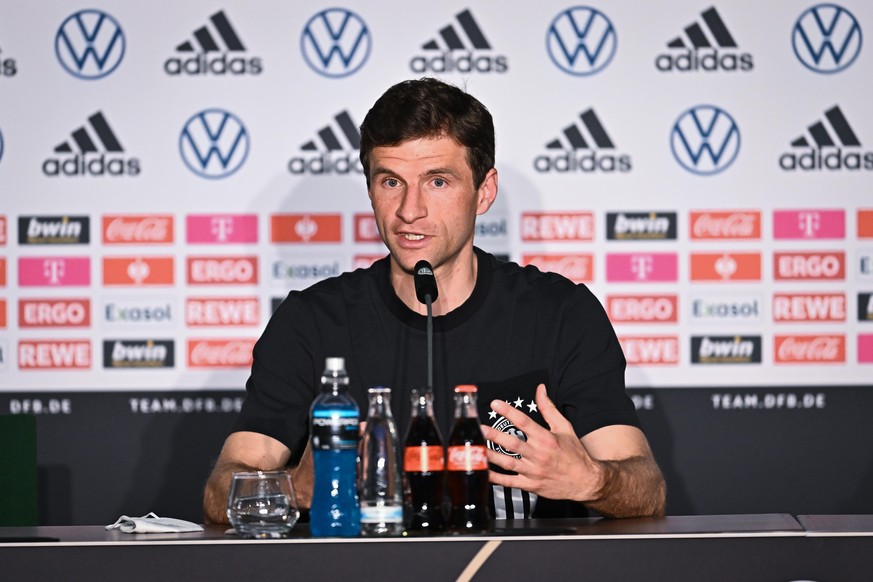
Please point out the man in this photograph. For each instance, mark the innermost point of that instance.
(549, 368)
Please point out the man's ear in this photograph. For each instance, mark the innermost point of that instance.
(487, 192)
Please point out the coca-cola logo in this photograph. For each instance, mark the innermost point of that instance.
(467, 458)
(220, 353)
(577, 268)
(818, 349)
(726, 225)
(137, 229)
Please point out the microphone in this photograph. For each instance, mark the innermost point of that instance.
(426, 292)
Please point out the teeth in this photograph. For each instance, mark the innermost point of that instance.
(413, 236)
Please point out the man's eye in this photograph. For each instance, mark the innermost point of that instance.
(391, 182)
(439, 182)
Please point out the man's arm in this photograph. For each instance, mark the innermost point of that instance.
(611, 469)
(242, 451)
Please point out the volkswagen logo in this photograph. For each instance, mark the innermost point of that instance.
(705, 140)
(90, 44)
(581, 41)
(335, 42)
(826, 38)
(214, 143)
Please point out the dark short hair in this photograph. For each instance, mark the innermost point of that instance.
(428, 108)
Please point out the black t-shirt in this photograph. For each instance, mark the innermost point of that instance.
(518, 328)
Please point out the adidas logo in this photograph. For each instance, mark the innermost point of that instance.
(590, 138)
(92, 150)
(214, 50)
(704, 46)
(333, 152)
(8, 67)
(823, 146)
(456, 45)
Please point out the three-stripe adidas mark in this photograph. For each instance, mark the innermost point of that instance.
(334, 151)
(583, 147)
(452, 40)
(459, 48)
(84, 142)
(706, 45)
(329, 138)
(205, 40)
(216, 49)
(829, 144)
(822, 137)
(92, 150)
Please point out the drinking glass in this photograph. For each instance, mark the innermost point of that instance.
(262, 504)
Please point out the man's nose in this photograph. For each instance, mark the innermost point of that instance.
(412, 205)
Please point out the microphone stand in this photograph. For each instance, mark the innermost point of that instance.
(429, 303)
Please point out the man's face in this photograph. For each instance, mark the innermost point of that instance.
(424, 201)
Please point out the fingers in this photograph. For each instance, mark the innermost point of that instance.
(506, 441)
(550, 412)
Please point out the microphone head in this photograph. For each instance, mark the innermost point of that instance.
(425, 282)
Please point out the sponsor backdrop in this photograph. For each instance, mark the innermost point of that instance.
(168, 174)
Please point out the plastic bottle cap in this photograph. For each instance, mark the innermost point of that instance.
(466, 388)
(335, 364)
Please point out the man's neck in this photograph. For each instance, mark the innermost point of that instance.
(455, 284)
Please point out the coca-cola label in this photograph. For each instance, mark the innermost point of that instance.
(364, 261)
(809, 224)
(725, 267)
(726, 224)
(365, 228)
(642, 308)
(220, 353)
(54, 313)
(126, 229)
(467, 458)
(650, 350)
(823, 266)
(222, 270)
(306, 228)
(71, 354)
(557, 226)
(810, 349)
(424, 459)
(221, 228)
(579, 267)
(809, 307)
(865, 223)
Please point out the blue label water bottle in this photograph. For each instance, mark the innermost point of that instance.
(333, 433)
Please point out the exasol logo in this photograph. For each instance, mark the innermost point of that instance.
(451, 52)
(722, 349)
(93, 150)
(301, 273)
(831, 146)
(8, 68)
(707, 46)
(336, 42)
(640, 226)
(578, 154)
(90, 44)
(216, 49)
(735, 308)
(59, 230)
(214, 143)
(826, 38)
(705, 140)
(581, 41)
(809, 224)
(132, 353)
(124, 312)
(335, 151)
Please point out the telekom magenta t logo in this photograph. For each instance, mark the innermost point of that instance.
(642, 267)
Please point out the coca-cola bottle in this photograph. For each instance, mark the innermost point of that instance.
(467, 466)
(424, 466)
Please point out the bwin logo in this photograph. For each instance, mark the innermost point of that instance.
(580, 156)
(581, 41)
(92, 150)
(705, 140)
(206, 55)
(214, 143)
(823, 147)
(707, 46)
(90, 44)
(456, 56)
(327, 154)
(336, 42)
(826, 38)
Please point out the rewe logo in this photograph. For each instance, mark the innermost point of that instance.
(90, 44)
(138, 353)
(726, 349)
(590, 159)
(306, 228)
(336, 42)
(47, 230)
(328, 154)
(826, 38)
(222, 311)
(215, 50)
(809, 307)
(828, 147)
(809, 224)
(705, 140)
(557, 226)
(456, 55)
(640, 226)
(578, 267)
(8, 68)
(708, 47)
(581, 41)
(54, 354)
(83, 156)
(650, 350)
(214, 143)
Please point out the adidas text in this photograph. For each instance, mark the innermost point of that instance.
(446, 63)
(325, 164)
(87, 165)
(590, 162)
(834, 160)
(218, 65)
(699, 60)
